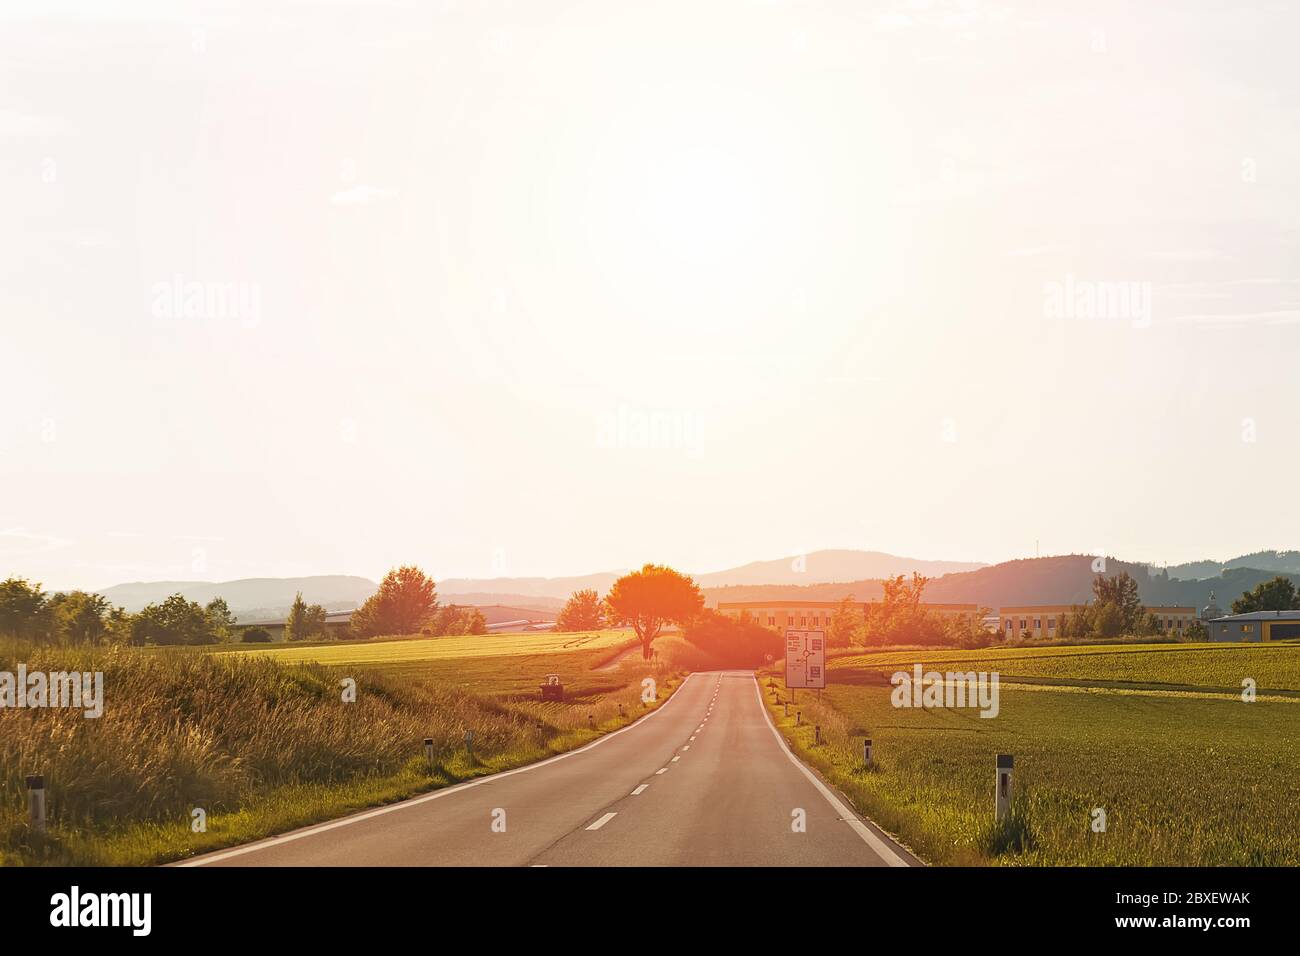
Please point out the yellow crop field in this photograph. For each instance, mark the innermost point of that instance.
(441, 648)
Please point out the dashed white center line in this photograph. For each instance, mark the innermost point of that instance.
(602, 821)
(675, 759)
(640, 789)
(661, 770)
(688, 746)
(692, 738)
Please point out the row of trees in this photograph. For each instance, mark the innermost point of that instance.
(899, 617)
(1277, 595)
(1116, 610)
(407, 603)
(646, 600)
(79, 617)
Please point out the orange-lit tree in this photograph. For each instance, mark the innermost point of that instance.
(652, 597)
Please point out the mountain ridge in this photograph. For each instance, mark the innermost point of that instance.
(819, 575)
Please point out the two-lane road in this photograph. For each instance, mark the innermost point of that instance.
(704, 781)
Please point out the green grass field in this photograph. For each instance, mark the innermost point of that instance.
(1205, 666)
(1185, 777)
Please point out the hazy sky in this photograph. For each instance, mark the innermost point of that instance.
(552, 287)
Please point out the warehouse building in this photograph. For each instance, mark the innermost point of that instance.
(1256, 626)
(1044, 620)
(816, 615)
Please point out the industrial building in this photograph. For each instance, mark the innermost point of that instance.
(1044, 620)
(1255, 626)
(815, 615)
(336, 625)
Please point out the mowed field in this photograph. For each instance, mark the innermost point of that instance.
(439, 648)
(1157, 737)
(505, 668)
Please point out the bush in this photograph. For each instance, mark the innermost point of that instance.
(734, 643)
(256, 635)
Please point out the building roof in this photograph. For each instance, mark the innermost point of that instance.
(1260, 616)
(778, 603)
(1036, 608)
(1057, 608)
(331, 617)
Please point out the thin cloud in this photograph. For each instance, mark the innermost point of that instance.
(362, 194)
(14, 123)
(1278, 317)
(36, 543)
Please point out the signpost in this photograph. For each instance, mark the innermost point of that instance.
(805, 659)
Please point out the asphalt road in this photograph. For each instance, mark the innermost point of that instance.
(703, 781)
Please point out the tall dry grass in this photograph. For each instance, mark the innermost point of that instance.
(182, 729)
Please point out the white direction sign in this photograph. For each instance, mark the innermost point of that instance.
(805, 658)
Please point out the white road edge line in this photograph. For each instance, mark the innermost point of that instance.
(603, 820)
(882, 849)
(639, 790)
(425, 798)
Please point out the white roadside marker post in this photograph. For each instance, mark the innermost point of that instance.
(817, 732)
(787, 708)
(36, 801)
(798, 718)
(866, 751)
(428, 751)
(1002, 793)
(469, 742)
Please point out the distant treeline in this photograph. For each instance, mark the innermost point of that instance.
(406, 603)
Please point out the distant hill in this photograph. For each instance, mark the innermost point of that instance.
(1227, 587)
(816, 567)
(818, 576)
(1283, 562)
(250, 598)
(821, 567)
(1062, 579)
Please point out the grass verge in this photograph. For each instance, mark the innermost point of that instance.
(1181, 779)
(263, 746)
